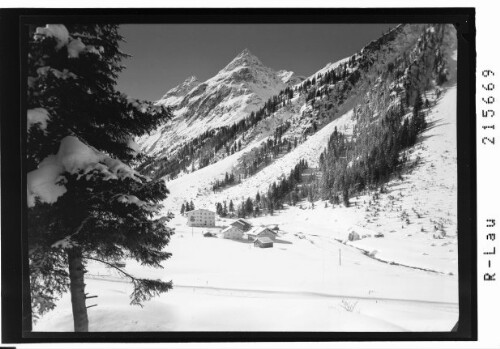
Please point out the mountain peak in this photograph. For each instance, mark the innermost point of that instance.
(175, 95)
(245, 52)
(190, 80)
(245, 58)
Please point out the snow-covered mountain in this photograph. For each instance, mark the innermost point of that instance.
(242, 86)
(175, 95)
(377, 199)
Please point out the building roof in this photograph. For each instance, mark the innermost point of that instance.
(244, 221)
(264, 240)
(229, 228)
(259, 230)
(199, 209)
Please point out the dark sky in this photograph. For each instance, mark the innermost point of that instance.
(164, 55)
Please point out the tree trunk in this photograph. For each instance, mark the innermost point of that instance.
(77, 287)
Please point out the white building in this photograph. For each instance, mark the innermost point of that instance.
(200, 218)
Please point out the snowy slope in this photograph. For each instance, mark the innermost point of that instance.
(175, 95)
(428, 194)
(197, 185)
(306, 289)
(328, 67)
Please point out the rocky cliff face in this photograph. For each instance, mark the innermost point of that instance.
(242, 86)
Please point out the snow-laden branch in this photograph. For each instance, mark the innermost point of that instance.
(66, 241)
(144, 289)
(131, 277)
(47, 182)
(38, 116)
(60, 33)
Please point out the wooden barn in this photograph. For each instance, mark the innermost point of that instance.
(260, 232)
(232, 232)
(263, 242)
(242, 224)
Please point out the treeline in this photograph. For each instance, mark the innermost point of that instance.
(388, 122)
(223, 210)
(229, 179)
(290, 189)
(349, 167)
(187, 206)
(269, 150)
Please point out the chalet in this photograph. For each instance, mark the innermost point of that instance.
(242, 224)
(263, 242)
(232, 232)
(200, 218)
(260, 232)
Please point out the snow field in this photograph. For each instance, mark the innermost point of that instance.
(198, 309)
(308, 280)
(298, 285)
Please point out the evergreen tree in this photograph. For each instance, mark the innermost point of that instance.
(248, 206)
(224, 210)
(183, 208)
(85, 201)
(191, 206)
(418, 115)
(231, 206)
(345, 197)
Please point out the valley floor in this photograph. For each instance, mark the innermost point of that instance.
(298, 285)
(313, 279)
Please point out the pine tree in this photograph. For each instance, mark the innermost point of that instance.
(85, 201)
(231, 206)
(183, 208)
(418, 114)
(345, 197)
(248, 206)
(191, 206)
(224, 210)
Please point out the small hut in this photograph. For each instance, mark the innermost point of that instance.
(232, 232)
(260, 232)
(263, 242)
